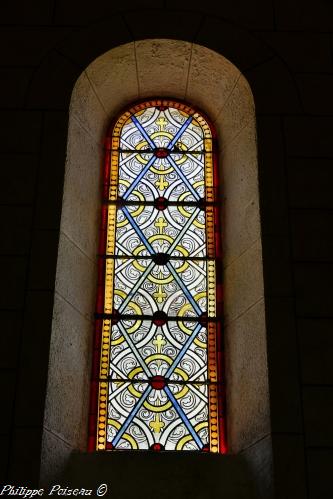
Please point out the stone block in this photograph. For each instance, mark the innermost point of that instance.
(313, 285)
(316, 349)
(43, 259)
(28, 45)
(272, 177)
(24, 459)
(301, 15)
(312, 237)
(309, 183)
(112, 78)
(273, 88)
(54, 458)
(34, 355)
(247, 379)
(67, 403)
(15, 224)
(289, 467)
(10, 326)
(210, 76)
(51, 172)
(81, 207)
(17, 178)
(36, 329)
(239, 180)
(309, 136)
(21, 133)
(4, 445)
(301, 51)
(238, 111)
(319, 473)
(13, 274)
(282, 352)
(316, 93)
(7, 386)
(154, 68)
(52, 83)
(85, 45)
(318, 413)
(259, 458)
(258, 15)
(240, 228)
(277, 266)
(22, 14)
(156, 23)
(14, 87)
(235, 43)
(76, 277)
(189, 474)
(70, 13)
(30, 394)
(88, 110)
(243, 282)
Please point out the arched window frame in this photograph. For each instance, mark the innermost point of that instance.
(124, 74)
(211, 317)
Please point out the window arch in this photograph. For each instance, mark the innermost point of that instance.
(125, 74)
(159, 375)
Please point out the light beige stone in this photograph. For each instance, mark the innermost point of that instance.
(55, 457)
(211, 80)
(247, 378)
(241, 217)
(87, 109)
(237, 112)
(162, 67)
(243, 283)
(240, 227)
(82, 190)
(114, 78)
(76, 277)
(69, 374)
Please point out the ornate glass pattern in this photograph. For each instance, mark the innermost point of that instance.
(158, 351)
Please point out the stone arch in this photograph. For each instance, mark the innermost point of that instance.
(205, 78)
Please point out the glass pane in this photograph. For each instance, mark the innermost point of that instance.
(160, 384)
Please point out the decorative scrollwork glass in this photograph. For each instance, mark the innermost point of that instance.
(157, 377)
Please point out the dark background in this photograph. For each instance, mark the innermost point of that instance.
(284, 49)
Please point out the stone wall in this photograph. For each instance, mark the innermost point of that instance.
(284, 51)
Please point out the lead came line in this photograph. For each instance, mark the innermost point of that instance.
(187, 176)
(134, 350)
(137, 180)
(183, 416)
(132, 415)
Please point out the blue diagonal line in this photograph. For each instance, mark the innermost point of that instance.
(183, 417)
(134, 350)
(180, 132)
(138, 230)
(182, 176)
(143, 132)
(139, 177)
(181, 352)
(184, 229)
(131, 416)
(184, 289)
(136, 287)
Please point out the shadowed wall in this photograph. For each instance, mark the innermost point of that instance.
(285, 54)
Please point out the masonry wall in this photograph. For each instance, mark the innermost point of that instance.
(285, 52)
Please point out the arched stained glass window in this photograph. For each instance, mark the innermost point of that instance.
(157, 376)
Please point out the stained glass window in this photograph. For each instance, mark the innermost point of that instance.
(158, 374)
